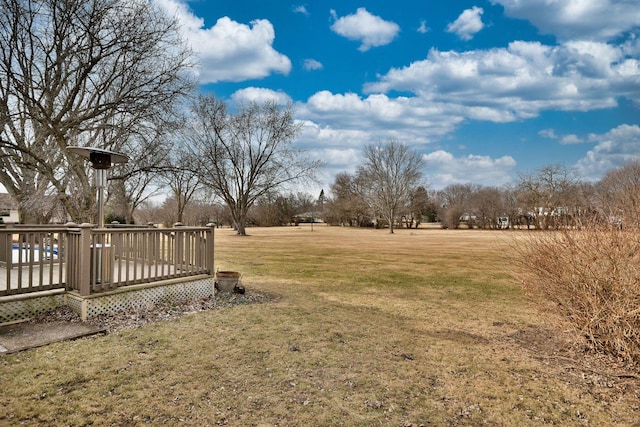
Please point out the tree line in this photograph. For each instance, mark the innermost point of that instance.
(549, 198)
(552, 197)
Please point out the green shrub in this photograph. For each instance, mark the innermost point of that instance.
(110, 218)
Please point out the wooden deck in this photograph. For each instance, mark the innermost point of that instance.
(43, 267)
(85, 259)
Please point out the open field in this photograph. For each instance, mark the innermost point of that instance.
(423, 327)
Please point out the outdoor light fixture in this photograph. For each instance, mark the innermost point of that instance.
(101, 161)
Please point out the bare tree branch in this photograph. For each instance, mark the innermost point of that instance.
(72, 72)
(244, 156)
(390, 174)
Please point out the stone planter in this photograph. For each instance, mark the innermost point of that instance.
(226, 281)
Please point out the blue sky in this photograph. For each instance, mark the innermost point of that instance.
(484, 90)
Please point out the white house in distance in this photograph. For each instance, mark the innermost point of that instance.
(8, 209)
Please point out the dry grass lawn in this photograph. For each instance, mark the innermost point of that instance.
(423, 327)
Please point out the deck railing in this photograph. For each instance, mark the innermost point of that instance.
(31, 259)
(89, 260)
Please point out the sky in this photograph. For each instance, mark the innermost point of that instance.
(483, 90)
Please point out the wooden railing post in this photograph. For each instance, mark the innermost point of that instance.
(209, 252)
(69, 258)
(84, 259)
(179, 247)
(5, 247)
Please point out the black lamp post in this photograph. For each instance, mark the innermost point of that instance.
(101, 161)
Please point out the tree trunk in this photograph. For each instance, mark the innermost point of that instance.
(240, 229)
(392, 214)
(29, 216)
(240, 220)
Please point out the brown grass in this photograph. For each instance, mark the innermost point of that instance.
(419, 327)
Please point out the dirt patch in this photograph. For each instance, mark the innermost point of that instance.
(604, 377)
(462, 337)
(544, 343)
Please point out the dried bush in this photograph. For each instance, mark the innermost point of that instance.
(591, 278)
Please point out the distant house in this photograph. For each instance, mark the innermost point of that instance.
(8, 209)
(306, 217)
(504, 222)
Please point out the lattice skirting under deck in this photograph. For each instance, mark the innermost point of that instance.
(107, 303)
(140, 296)
(18, 308)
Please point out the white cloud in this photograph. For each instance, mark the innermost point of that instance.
(589, 59)
(564, 139)
(300, 9)
(337, 126)
(443, 169)
(316, 136)
(423, 29)
(336, 161)
(229, 50)
(576, 19)
(260, 95)
(468, 23)
(571, 139)
(312, 64)
(613, 149)
(517, 82)
(342, 159)
(339, 149)
(448, 87)
(370, 30)
(407, 119)
(548, 133)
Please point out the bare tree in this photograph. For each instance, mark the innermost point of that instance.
(272, 209)
(320, 202)
(420, 206)
(245, 155)
(128, 191)
(80, 73)
(346, 206)
(551, 194)
(134, 182)
(183, 179)
(454, 201)
(618, 195)
(511, 208)
(275, 209)
(391, 173)
(487, 205)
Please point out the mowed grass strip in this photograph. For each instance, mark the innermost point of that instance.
(420, 327)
